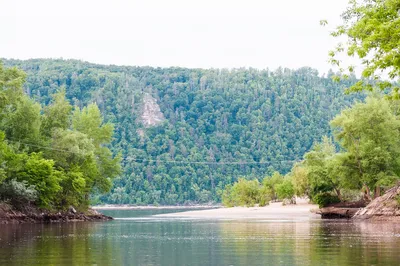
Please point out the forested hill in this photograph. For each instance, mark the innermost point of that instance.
(186, 133)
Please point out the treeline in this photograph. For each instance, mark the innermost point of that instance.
(219, 124)
(363, 161)
(53, 156)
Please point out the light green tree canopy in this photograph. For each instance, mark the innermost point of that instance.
(372, 30)
(369, 133)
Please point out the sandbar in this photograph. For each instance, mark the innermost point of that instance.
(274, 211)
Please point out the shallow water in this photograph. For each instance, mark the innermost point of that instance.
(140, 239)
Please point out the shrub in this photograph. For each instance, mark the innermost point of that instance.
(324, 199)
(242, 193)
(285, 190)
(18, 193)
(265, 196)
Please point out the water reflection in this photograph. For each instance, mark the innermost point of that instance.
(60, 244)
(195, 242)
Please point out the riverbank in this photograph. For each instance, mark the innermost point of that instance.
(383, 208)
(9, 215)
(275, 211)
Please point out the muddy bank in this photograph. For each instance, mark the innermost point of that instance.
(9, 215)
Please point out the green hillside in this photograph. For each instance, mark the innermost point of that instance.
(186, 133)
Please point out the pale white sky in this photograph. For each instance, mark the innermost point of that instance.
(187, 33)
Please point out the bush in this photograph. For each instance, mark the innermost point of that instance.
(285, 190)
(242, 193)
(18, 193)
(265, 196)
(324, 199)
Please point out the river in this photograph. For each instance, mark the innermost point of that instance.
(137, 237)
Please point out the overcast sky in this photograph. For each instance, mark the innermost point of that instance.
(187, 33)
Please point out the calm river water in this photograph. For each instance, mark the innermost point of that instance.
(141, 239)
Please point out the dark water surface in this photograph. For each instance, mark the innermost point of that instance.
(141, 239)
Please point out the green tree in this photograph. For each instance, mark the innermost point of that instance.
(371, 28)
(300, 181)
(11, 81)
(369, 133)
(39, 172)
(316, 162)
(22, 124)
(242, 193)
(56, 115)
(285, 190)
(89, 121)
(272, 182)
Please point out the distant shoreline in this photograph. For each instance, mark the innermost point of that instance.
(151, 207)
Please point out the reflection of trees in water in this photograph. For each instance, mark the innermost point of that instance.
(202, 243)
(355, 243)
(53, 244)
(312, 243)
(272, 242)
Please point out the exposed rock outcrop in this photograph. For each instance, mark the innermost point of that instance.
(33, 215)
(151, 114)
(385, 207)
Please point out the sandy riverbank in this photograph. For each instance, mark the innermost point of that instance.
(274, 211)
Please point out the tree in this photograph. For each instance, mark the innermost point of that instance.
(5, 154)
(39, 173)
(372, 31)
(22, 124)
(300, 180)
(57, 114)
(90, 122)
(316, 163)
(272, 182)
(242, 193)
(285, 190)
(11, 81)
(369, 133)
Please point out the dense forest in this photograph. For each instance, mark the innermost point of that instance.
(184, 134)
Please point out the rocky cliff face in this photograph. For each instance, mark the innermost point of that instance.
(151, 114)
(385, 207)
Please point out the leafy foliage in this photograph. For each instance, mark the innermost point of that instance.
(47, 157)
(324, 199)
(242, 193)
(371, 28)
(285, 190)
(369, 133)
(18, 193)
(250, 192)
